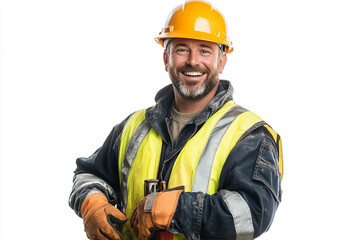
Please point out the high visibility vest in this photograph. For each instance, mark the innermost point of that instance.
(198, 165)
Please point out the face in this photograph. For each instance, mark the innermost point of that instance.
(194, 67)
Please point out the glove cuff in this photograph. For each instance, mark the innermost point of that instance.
(164, 207)
(91, 204)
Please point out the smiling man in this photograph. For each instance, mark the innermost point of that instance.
(221, 163)
(194, 67)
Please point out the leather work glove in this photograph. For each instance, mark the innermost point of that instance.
(101, 219)
(154, 211)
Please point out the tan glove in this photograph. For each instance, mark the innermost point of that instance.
(154, 211)
(101, 219)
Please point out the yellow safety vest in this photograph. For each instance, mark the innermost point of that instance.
(198, 165)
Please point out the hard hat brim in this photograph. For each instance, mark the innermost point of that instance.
(200, 36)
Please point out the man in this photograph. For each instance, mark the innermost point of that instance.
(222, 163)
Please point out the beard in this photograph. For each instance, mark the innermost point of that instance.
(187, 89)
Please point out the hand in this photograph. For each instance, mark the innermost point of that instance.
(154, 211)
(101, 219)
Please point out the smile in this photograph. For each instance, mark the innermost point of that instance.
(193, 74)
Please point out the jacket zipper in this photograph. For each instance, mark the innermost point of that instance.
(172, 147)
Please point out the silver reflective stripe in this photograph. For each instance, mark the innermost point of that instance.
(203, 169)
(84, 180)
(241, 214)
(130, 153)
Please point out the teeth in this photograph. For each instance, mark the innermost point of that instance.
(193, 73)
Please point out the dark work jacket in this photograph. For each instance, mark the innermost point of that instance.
(198, 215)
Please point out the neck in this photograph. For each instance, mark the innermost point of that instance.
(184, 105)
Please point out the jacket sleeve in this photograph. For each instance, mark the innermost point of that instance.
(247, 197)
(98, 173)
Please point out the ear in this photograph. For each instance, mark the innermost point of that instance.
(166, 60)
(223, 60)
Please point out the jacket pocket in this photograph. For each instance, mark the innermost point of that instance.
(267, 169)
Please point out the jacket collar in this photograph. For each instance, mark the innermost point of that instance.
(157, 114)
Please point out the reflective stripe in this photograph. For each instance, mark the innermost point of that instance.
(203, 170)
(237, 130)
(126, 134)
(87, 180)
(131, 150)
(241, 213)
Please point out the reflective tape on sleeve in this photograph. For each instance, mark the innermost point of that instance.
(241, 214)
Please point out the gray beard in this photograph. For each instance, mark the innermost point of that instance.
(187, 93)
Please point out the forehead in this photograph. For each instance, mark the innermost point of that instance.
(192, 43)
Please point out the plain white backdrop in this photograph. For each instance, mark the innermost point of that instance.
(71, 69)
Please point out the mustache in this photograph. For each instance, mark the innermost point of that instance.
(190, 68)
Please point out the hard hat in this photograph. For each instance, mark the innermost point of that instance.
(196, 19)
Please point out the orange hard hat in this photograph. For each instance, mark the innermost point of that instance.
(196, 20)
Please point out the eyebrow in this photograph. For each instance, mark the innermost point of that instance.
(205, 46)
(181, 45)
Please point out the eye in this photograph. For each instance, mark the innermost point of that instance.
(181, 50)
(205, 52)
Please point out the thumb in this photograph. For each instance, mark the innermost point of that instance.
(115, 223)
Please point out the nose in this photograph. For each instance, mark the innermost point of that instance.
(193, 58)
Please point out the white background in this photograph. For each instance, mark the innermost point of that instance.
(71, 69)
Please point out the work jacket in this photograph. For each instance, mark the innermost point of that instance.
(247, 190)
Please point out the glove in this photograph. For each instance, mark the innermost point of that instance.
(101, 219)
(154, 211)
